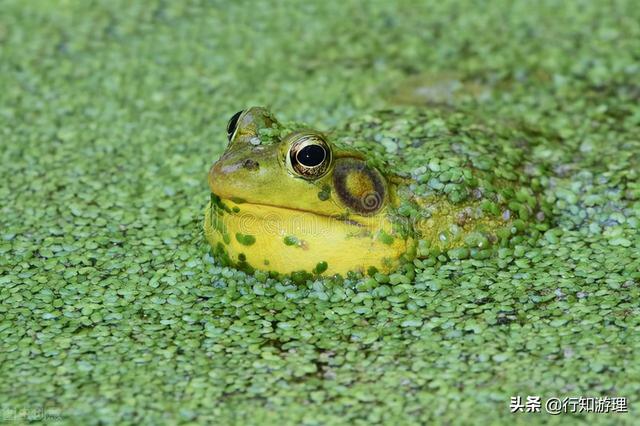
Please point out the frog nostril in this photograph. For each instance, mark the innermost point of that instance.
(251, 164)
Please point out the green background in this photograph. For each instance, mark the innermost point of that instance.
(113, 311)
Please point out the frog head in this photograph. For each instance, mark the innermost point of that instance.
(287, 199)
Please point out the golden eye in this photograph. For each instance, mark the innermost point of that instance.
(310, 156)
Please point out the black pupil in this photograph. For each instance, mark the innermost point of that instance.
(233, 122)
(311, 155)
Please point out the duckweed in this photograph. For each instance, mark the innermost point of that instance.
(291, 240)
(325, 193)
(320, 267)
(385, 238)
(245, 239)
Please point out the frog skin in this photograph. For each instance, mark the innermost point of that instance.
(394, 185)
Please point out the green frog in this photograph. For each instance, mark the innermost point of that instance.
(386, 188)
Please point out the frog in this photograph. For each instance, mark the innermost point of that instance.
(381, 191)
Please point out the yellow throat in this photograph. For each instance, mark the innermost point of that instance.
(254, 236)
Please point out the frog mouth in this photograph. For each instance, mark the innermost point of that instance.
(338, 218)
(221, 203)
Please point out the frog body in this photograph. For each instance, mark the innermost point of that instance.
(399, 183)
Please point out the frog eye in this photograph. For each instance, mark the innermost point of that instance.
(233, 124)
(310, 156)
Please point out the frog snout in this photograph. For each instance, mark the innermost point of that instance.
(222, 168)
